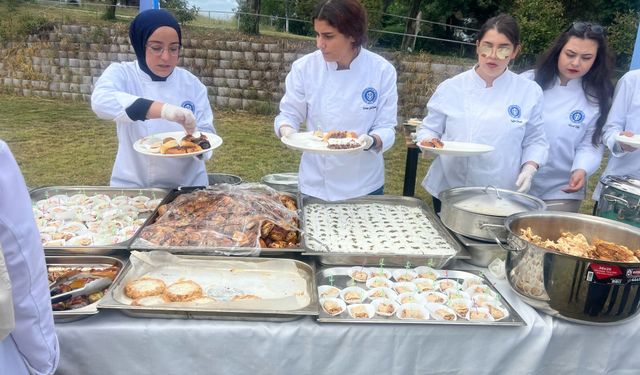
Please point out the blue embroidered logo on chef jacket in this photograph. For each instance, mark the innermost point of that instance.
(369, 95)
(576, 116)
(189, 105)
(514, 111)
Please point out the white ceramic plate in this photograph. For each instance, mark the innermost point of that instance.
(415, 122)
(310, 143)
(453, 148)
(631, 141)
(143, 145)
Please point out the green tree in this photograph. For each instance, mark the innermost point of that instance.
(622, 35)
(181, 9)
(541, 21)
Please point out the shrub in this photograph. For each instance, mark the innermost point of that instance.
(622, 35)
(541, 21)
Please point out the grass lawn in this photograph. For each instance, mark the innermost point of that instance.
(59, 142)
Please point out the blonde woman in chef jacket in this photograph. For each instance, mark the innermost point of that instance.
(491, 105)
(624, 119)
(341, 86)
(575, 75)
(31, 347)
(152, 95)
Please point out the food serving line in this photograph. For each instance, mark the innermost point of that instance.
(208, 277)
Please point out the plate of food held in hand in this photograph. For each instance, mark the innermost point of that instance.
(331, 142)
(633, 141)
(177, 144)
(413, 122)
(453, 148)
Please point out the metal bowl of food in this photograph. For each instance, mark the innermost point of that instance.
(287, 182)
(577, 267)
(479, 212)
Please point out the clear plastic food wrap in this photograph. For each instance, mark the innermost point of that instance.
(248, 216)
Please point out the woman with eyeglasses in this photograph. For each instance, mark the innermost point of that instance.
(341, 86)
(491, 105)
(623, 121)
(152, 95)
(575, 76)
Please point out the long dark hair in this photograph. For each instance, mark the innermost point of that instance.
(348, 16)
(504, 24)
(597, 84)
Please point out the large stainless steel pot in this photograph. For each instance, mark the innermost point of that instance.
(570, 287)
(479, 212)
(620, 199)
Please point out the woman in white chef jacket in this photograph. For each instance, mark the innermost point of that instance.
(32, 346)
(575, 75)
(151, 95)
(341, 86)
(623, 119)
(491, 105)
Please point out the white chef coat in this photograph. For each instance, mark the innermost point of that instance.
(32, 345)
(507, 116)
(362, 99)
(119, 86)
(623, 115)
(569, 122)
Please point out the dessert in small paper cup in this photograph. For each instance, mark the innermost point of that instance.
(359, 274)
(497, 311)
(380, 272)
(472, 281)
(404, 286)
(460, 306)
(353, 294)
(479, 314)
(441, 312)
(361, 311)
(425, 272)
(447, 284)
(410, 297)
(483, 300)
(328, 291)
(385, 306)
(377, 282)
(333, 306)
(382, 292)
(425, 285)
(412, 311)
(434, 297)
(481, 289)
(457, 294)
(404, 275)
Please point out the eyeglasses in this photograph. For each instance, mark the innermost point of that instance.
(158, 49)
(583, 27)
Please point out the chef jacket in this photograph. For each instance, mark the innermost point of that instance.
(569, 122)
(362, 99)
(507, 116)
(32, 345)
(119, 86)
(624, 115)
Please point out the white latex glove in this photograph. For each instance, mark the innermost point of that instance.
(525, 177)
(366, 140)
(286, 130)
(180, 115)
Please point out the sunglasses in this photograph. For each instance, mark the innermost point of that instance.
(583, 27)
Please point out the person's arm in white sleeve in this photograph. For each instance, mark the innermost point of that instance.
(434, 124)
(617, 118)
(383, 129)
(535, 147)
(293, 107)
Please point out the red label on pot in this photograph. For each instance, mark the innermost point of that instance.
(605, 271)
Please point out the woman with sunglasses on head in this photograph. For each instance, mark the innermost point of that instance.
(491, 105)
(152, 95)
(622, 122)
(342, 86)
(575, 76)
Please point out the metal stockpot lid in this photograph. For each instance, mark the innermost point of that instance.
(627, 184)
(282, 181)
(491, 201)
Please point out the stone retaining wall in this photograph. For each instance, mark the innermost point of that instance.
(240, 74)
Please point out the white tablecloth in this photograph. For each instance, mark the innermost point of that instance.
(113, 343)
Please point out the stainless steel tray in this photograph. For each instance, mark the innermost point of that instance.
(389, 259)
(110, 302)
(74, 261)
(339, 277)
(44, 192)
(140, 244)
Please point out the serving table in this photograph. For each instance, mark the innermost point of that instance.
(113, 343)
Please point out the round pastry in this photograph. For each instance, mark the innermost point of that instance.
(144, 287)
(149, 300)
(182, 291)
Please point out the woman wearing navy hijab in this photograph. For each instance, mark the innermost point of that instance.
(152, 95)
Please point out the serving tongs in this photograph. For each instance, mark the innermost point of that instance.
(92, 286)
